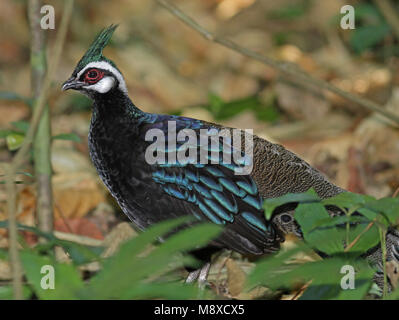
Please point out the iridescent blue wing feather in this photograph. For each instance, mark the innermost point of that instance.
(211, 191)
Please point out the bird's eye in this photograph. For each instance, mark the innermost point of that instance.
(93, 76)
(286, 218)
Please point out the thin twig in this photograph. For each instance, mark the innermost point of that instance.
(83, 240)
(396, 193)
(359, 235)
(13, 235)
(389, 12)
(282, 67)
(22, 154)
(40, 103)
(42, 140)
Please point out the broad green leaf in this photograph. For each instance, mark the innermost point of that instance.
(5, 133)
(327, 240)
(136, 266)
(67, 280)
(290, 11)
(261, 274)
(80, 254)
(368, 13)
(347, 200)
(6, 292)
(326, 285)
(126, 260)
(307, 197)
(339, 221)
(388, 207)
(369, 214)
(14, 141)
(367, 239)
(325, 275)
(366, 37)
(358, 224)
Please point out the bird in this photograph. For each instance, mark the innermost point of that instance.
(148, 192)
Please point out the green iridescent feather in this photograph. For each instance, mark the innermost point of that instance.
(95, 52)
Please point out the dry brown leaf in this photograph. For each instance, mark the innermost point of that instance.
(5, 270)
(120, 234)
(12, 111)
(80, 226)
(75, 194)
(235, 278)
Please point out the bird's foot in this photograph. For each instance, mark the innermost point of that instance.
(201, 275)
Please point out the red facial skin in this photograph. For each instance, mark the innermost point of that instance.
(93, 76)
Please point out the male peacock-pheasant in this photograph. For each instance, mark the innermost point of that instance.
(152, 192)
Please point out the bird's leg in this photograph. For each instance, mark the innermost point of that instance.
(192, 276)
(200, 275)
(203, 276)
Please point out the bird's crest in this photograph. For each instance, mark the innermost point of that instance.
(95, 52)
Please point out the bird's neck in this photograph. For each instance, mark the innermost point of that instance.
(115, 105)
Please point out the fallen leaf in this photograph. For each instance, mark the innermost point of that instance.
(80, 226)
(235, 278)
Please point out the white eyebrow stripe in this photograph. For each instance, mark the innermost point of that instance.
(106, 66)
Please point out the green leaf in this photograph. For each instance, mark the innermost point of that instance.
(347, 200)
(28, 174)
(367, 13)
(366, 37)
(327, 284)
(327, 240)
(307, 197)
(268, 114)
(215, 104)
(14, 141)
(80, 254)
(4, 133)
(290, 11)
(3, 254)
(388, 207)
(6, 292)
(67, 281)
(152, 264)
(22, 126)
(263, 273)
(366, 241)
(67, 136)
(275, 273)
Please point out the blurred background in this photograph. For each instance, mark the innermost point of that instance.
(169, 68)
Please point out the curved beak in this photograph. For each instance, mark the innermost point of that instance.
(72, 83)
